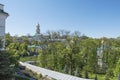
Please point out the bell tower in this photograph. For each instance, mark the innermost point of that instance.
(100, 52)
(3, 17)
(38, 29)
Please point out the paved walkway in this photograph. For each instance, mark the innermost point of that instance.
(50, 73)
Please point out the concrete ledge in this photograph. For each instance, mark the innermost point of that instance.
(50, 73)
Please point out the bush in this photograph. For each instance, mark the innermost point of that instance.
(39, 76)
(6, 71)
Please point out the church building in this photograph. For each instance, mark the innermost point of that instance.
(38, 35)
(3, 16)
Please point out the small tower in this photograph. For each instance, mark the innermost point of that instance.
(3, 16)
(100, 52)
(37, 34)
(38, 29)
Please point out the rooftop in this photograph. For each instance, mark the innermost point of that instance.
(2, 4)
(2, 11)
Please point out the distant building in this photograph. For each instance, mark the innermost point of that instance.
(100, 52)
(3, 16)
(38, 29)
(38, 35)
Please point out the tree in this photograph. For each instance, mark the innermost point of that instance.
(117, 69)
(8, 39)
(89, 54)
(86, 75)
(8, 60)
(77, 72)
(65, 69)
(7, 68)
(96, 77)
(0, 43)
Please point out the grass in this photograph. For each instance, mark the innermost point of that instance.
(28, 58)
(99, 76)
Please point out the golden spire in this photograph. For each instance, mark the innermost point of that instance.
(103, 40)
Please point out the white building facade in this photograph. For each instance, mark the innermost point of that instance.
(3, 16)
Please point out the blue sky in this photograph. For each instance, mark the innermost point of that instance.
(94, 18)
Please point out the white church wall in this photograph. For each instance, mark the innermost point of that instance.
(2, 31)
(2, 22)
(1, 6)
(3, 16)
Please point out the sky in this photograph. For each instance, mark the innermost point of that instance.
(94, 18)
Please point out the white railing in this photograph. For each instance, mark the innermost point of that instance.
(50, 73)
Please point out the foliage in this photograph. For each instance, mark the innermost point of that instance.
(86, 75)
(6, 66)
(39, 76)
(117, 69)
(77, 72)
(96, 78)
(20, 78)
(8, 62)
(28, 58)
(67, 52)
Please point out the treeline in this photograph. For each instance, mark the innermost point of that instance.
(75, 55)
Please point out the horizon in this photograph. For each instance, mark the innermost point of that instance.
(93, 18)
